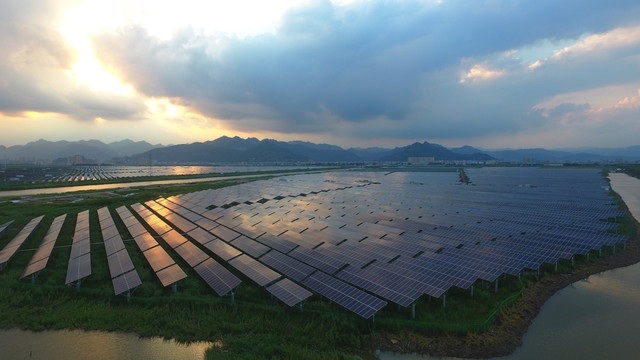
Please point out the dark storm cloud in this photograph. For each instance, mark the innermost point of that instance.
(372, 60)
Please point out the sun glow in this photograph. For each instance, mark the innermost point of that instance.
(80, 23)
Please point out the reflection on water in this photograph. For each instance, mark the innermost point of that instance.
(95, 345)
(596, 318)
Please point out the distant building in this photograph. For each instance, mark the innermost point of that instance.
(80, 160)
(415, 160)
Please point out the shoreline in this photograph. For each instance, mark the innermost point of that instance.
(507, 332)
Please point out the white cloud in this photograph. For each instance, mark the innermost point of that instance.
(603, 43)
(481, 72)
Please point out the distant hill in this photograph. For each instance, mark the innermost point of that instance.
(236, 150)
(370, 154)
(128, 147)
(43, 150)
(466, 150)
(438, 152)
(251, 150)
(48, 150)
(544, 155)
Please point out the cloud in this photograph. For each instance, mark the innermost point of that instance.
(480, 72)
(34, 62)
(394, 65)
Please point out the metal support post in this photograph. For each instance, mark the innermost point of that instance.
(471, 290)
(233, 297)
(174, 287)
(413, 310)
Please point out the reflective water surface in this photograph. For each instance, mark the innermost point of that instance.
(95, 345)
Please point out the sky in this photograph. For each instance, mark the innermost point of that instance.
(487, 73)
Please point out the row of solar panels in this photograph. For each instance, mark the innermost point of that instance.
(426, 268)
(347, 239)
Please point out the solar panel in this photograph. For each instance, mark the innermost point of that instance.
(173, 239)
(201, 236)
(78, 268)
(158, 258)
(145, 241)
(207, 224)
(12, 247)
(249, 246)
(317, 260)
(254, 270)
(181, 223)
(289, 292)
(113, 245)
(287, 265)
(217, 277)
(41, 257)
(126, 282)
(191, 253)
(225, 233)
(135, 229)
(108, 233)
(344, 294)
(79, 265)
(159, 226)
(171, 275)
(223, 250)
(281, 244)
(119, 263)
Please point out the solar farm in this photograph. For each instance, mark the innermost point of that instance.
(361, 239)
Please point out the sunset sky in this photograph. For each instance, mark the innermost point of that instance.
(488, 73)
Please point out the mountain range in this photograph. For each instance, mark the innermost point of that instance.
(251, 150)
(43, 150)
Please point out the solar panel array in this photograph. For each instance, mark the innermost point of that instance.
(167, 271)
(123, 274)
(40, 259)
(79, 265)
(360, 239)
(12, 247)
(221, 280)
(364, 238)
(186, 220)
